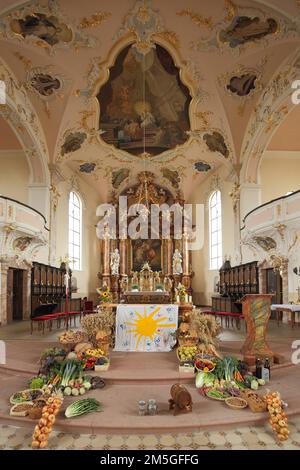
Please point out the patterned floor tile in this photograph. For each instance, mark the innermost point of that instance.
(184, 441)
(167, 440)
(216, 439)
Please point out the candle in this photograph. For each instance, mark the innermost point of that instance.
(186, 298)
(190, 299)
(177, 299)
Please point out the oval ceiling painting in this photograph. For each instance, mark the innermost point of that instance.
(144, 106)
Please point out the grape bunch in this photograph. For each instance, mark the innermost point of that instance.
(187, 353)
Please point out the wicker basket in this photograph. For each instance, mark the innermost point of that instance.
(255, 402)
(242, 403)
(178, 349)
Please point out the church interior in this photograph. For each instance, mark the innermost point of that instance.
(150, 224)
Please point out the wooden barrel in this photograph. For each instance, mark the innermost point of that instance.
(181, 396)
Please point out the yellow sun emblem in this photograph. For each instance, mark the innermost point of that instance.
(146, 326)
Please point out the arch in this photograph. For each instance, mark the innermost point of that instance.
(19, 113)
(274, 106)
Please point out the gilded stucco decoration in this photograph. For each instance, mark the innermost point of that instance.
(95, 20)
(44, 26)
(246, 27)
(144, 22)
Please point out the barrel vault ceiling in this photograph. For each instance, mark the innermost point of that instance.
(228, 54)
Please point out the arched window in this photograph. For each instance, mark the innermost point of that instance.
(215, 230)
(75, 222)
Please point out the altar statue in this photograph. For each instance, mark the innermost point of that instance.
(115, 262)
(177, 262)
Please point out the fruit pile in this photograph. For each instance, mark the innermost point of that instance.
(187, 353)
(278, 418)
(95, 352)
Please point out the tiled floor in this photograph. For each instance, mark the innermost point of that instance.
(243, 438)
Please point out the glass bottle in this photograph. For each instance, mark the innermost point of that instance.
(152, 407)
(258, 368)
(142, 408)
(267, 370)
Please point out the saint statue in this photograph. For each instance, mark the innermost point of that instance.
(177, 262)
(115, 262)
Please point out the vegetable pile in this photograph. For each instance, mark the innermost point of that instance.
(225, 377)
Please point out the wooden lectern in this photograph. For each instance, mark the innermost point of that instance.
(256, 311)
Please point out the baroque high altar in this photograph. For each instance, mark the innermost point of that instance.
(146, 270)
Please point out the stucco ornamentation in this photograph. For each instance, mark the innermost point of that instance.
(44, 26)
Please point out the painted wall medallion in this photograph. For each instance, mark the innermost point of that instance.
(266, 243)
(216, 143)
(242, 86)
(202, 167)
(118, 176)
(46, 28)
(88, 167)
(172, 176)
(244, 29)
(73, 142)
(144, 102)
(45, 84)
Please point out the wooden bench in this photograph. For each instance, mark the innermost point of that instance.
(227, 316)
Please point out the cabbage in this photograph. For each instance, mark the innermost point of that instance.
(200, 379)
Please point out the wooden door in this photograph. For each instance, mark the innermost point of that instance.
(17, 294)
(10, 278)
(274, 285)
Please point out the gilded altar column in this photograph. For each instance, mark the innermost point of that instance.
(106, 261)
(186, 276)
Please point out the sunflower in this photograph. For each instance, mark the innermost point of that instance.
(104, 294)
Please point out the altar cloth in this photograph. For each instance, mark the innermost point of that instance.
(146, 328)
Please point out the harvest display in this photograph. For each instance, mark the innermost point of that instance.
(64, 374)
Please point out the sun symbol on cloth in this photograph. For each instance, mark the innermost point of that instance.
(146, 326)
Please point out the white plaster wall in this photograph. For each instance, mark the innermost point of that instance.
(14, 175)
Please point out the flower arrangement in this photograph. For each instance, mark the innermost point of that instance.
(105, 294)
(181, 292)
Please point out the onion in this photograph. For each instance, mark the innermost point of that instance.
(51, 419)
(43, 444)
(35, 444)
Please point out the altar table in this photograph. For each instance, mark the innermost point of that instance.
(146, 328)
(289, 308)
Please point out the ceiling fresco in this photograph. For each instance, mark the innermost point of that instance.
(135, 85)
